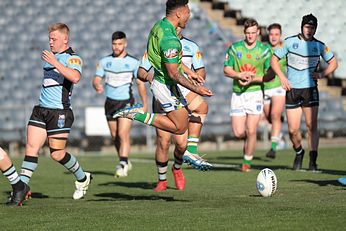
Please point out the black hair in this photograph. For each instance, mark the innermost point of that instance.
(274, 26)
(118, 35)
(309, 19)
(174, 4)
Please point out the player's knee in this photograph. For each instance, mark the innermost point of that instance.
(293, 132)
(181, 145)
(239, 134)
(198, 105)
(162, 143)
(57, 147)
(57, 155)
(197, 118)
(180, 129)
(275, 117)
(180, 149)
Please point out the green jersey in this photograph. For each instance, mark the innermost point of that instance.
(164, 47)
(256, 60)
(276, 81)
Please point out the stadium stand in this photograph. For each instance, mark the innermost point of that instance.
(24, 35)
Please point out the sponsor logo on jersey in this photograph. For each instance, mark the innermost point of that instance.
(198, 55)
(74, 61)
(186, 48)
(326, 49)
(248, 67)
(248, 56)
(295, 45)
(239, 55)
(257, 57)
(108, 64)
(315, 49)
(61, 121)
(127, 66)
(171, 53)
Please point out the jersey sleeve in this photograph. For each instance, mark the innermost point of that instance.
(197, 61)
(145, 63)
(170, 50)
(99, 69)
(75, 62)
(282, 51)
(229, 59)
(267, 55)
(136, 69)
(326, 54)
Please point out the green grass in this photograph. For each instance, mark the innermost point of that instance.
(222, 199)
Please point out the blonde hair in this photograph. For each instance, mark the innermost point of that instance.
(61, 27)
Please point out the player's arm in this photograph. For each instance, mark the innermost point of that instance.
(97, 84)
(142, 92)
(274, 63)
(69, 73)
(332, 65)
(193, 76)
(144, 75)
(176, 75)
(201, 72)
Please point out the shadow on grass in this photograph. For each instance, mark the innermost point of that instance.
(142, 185)
(240, 157)
(320, 182)
(105, 173)
(126, 197)
(236, 167)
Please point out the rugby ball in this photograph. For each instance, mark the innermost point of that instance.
(266, 182)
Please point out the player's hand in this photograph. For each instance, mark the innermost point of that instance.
(203, 91)
(196, 79)
(49, 57)
(245, 78)
(317, 75)
(99, 88)
(285, 84)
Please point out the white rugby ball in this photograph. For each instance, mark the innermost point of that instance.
(266, 182)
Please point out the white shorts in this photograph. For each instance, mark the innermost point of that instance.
(269, 93)
(184, 90)
(247, 103)
(170, 97)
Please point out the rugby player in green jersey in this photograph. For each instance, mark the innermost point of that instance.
(246, 63)
(274, 94)
(165, 54)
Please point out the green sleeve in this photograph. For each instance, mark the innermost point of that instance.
(229, 59)
(170, 50)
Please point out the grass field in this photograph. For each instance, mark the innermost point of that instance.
(222, 199)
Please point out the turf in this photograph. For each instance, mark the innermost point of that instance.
(222, 199)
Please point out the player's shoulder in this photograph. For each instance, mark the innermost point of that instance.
(237, 44)
(318, 41)
(131, 57)
(291, 38)
(189, 41)
(106, 57)
(69, 52)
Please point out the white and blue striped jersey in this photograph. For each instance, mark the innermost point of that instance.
(118, 74)
(192, 57)
(56, 90)
(302, 57)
